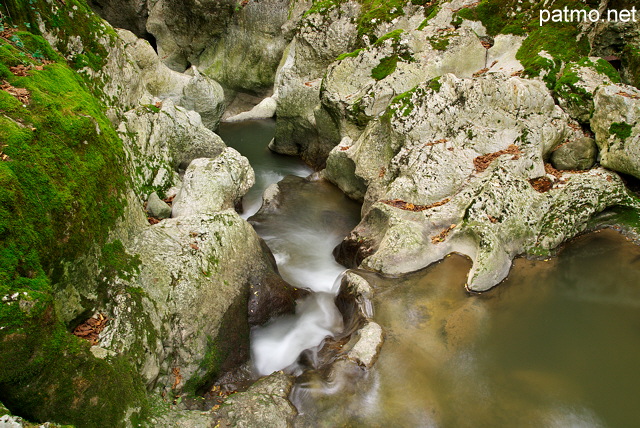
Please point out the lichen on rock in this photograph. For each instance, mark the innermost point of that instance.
(426, 157)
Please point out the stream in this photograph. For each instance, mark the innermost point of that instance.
(555, 345)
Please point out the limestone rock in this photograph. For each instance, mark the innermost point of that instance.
(183, 30)
(247, 53)
(193, 92)
(157, 207)
(450, 123)
(616, 123)
(264, 404)
(163, 140)
(212, 185)
(198, 276)
(579, 154)
(264, 110)
(368, 343)
(578, 83)
(319, 40)
(458, 167)
(131, 15)
(359, 85)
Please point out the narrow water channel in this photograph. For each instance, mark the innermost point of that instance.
(556, 345)
(309, 219)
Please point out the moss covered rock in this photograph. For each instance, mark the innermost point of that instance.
(263, 404)
(577, 84)
(616, 124)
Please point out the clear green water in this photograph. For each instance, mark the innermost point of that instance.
(251, 139)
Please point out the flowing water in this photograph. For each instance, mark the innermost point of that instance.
(556, 345)
(251, 138)
(310, 220)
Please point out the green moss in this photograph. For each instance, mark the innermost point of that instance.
(392, 35)
(435, 84)
(71, 19)
(323, 7)
(627, 219)
(631, 65)
(61, 193)
(349, 54)
(386, 66)
(604, 67)
(374, 12)
(621, 130)
(567, 88)
(152, 108)
(46, 373)
(358, 115)
(440, 43)
(117, 262)
(430, 13)
(560, 40)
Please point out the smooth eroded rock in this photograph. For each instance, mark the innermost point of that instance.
(577, 155)
(157, 207)
(211, 185)
(616, 123)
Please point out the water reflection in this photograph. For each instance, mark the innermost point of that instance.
(556, 345)
(251, 139)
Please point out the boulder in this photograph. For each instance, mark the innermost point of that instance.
(368, 341)
(212, 185)
(616, 124)
(184, 314)
(163, 138)
(577, 84)
(158, 208)
(265, 404)
(578, 154)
